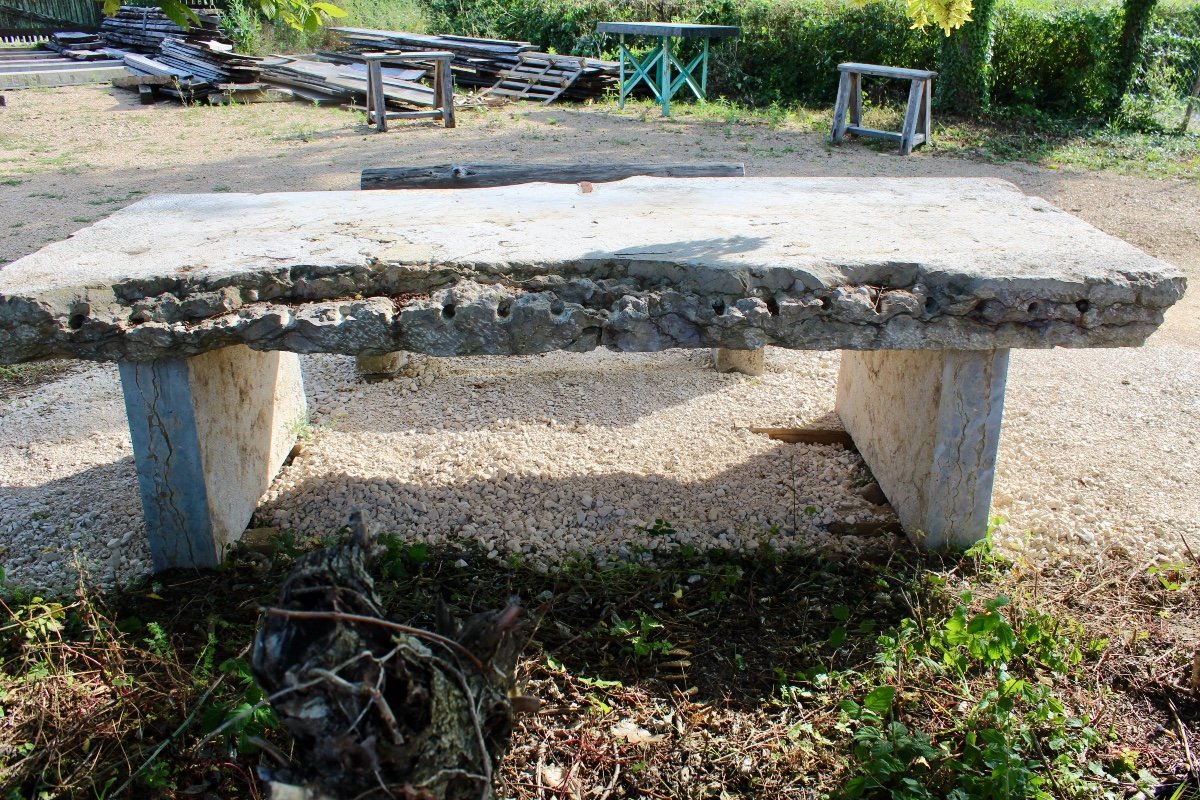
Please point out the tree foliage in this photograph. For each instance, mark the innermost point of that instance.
(303, 15)
(964, 84)
(948, 15)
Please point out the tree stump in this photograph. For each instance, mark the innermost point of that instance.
(375, 708)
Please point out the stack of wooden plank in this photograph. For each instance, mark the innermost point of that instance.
(345, 83)
(539, 77)
(142, 30)
(505, 68)
(211, 61)
(477, 62)
(199, 62)
(77, 46)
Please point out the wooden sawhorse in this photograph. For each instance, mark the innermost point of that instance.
(916, 115)
(443, 88)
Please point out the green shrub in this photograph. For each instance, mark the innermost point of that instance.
(1050, 55)
(1053, 57)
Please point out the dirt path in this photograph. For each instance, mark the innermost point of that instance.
(1099, 448)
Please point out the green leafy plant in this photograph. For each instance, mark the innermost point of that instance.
(400, 559)
(1012, 736)
(242, 713)
(641, 635)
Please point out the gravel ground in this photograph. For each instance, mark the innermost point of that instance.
(565, 452)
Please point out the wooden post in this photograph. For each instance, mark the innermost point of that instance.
(444, 78)
(839, 109)
(926, 97)
(855, 98)
(664, 76)
(375, 79)
(910, 116)
(621, 90)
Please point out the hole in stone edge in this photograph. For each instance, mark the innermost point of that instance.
(79, 315)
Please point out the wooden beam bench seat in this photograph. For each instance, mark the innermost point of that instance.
(916, 126)
(205, 300)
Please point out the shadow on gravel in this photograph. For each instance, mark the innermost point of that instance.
(729, 628)
(486, 392)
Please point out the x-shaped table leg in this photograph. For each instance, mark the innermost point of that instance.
(662, 85)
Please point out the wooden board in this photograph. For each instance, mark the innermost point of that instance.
(678, 30)
(133, 81)
(463, 176)
(887, 72)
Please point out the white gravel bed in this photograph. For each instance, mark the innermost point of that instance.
(563, 453)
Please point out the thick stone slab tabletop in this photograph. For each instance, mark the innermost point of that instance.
(638, 265)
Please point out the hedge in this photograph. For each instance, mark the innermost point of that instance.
(1054, 56)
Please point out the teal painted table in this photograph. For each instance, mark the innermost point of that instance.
(654, 68)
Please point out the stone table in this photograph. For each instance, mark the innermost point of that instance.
(925, 283)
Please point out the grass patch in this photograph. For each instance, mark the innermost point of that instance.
(804, 119)
(1065, 143)
(1006, 137)
(757, 675)
(19, 378)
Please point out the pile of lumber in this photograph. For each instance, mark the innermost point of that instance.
(210, 61)
(77, 46)
(342, 80)
(199, 63)
(503, 68)
(143, 30)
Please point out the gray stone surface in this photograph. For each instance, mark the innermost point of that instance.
(928, 425)
(638, 265)
(209, 434)
(747, 362)
(386, 364)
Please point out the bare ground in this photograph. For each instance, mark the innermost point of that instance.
(1099, 446)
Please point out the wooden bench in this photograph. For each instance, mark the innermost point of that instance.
(204, 301)
(443, 87)
(849, 103)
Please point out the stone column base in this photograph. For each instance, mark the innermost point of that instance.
(747, 362)
(386, 364)
(927, 422)
(209, 434)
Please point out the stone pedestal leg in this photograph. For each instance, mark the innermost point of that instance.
(927, 422)
(747, 362)
(209, 434)
(386, 364)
